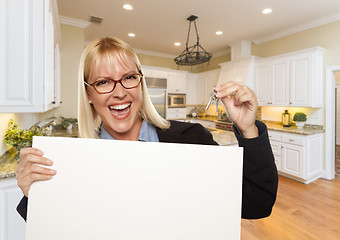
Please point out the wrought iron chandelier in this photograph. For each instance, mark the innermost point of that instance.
(195, 54)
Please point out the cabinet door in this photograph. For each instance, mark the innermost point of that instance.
(262, 83)
(192, 90)
(11, 224)
(279, 82)
(292, 160)
(201, 90)
(300, 80)
(176, 83)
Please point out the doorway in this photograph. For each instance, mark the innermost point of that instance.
(330, 143)
(337, 124)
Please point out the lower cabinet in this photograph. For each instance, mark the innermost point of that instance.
(176, 113)
(297, 156)
(12, 226)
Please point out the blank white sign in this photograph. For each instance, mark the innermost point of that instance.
(125, 190)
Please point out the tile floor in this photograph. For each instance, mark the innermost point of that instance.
(337, 161)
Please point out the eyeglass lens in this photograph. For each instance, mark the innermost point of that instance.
(108, 85)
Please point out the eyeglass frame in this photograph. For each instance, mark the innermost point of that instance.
(115, 82)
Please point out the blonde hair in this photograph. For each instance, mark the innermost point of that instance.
(88, 119)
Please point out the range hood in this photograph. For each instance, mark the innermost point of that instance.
(241, 67)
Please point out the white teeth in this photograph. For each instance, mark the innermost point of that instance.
(120, 107)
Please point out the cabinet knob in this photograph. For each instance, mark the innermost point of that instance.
(53, 102)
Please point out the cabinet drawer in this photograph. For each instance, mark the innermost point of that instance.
(176, 113)
(293, 139)
(274, 136)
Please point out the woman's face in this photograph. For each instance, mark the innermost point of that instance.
(119, 109)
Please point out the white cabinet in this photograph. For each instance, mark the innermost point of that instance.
(29, 42)
(297, 156)
(191, 98)
(241, 71)
(177, 82)
(293, 79)
(176, 113)
(206, 82)
(154, 72)
(12, 226)
(272, 82)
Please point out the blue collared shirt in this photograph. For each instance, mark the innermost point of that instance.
(147, 133)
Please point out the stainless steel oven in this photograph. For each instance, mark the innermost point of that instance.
(176, 100)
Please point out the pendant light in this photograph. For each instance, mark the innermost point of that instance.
(195, 54)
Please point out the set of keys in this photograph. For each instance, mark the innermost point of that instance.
(213, 99)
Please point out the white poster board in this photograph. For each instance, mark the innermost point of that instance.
(107, 189)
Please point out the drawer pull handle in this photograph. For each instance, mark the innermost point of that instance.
(291, 140)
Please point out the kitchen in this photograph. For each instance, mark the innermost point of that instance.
(199, 81)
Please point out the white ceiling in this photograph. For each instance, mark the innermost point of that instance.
(158, 24)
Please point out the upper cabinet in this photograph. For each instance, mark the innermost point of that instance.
(177, 82)
(206, 82)
(293, 79)
(30, 56)
(240, 71)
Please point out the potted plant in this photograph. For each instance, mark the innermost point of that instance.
(21, 138)
(68, 123)
(300, 118)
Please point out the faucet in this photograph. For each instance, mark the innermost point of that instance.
(49, 122)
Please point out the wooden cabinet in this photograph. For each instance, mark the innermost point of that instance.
(206, 82)
(177, 82)
(272, 82)
(293, 79)
(297, 156)
(241, 71)
(29, 60)
(176, 113)
(192, 91)
(12, 226)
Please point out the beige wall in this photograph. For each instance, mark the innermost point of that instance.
(170, 63)
(73, 42)
(326, 36)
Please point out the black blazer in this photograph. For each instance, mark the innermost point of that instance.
(260, 177)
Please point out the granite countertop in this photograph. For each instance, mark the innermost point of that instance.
(224, 138)
(308, 129)
(8, 163)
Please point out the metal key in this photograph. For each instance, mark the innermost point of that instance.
(212, 99)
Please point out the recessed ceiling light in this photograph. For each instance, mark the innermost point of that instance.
(127, 7)
(131, 35)
(267, 11)
(177, 44)
(219, 33)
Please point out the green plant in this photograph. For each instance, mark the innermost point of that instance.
(65, 122)
(300, 117)
(21, 138)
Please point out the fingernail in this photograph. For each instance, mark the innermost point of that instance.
(52, 171)
(40, 152)
(49, 162)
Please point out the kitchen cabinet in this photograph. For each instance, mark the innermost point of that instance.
(191, 92)
(12, 226)
(206, 82)
(176, 113)
(293, 79)
(297, 156)
(177, 82)
(240, 71)
(154, 72)
(30, 60)
(272, 82)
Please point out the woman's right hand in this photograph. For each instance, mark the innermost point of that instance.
(28, 171)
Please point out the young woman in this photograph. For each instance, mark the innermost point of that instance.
(114, 104)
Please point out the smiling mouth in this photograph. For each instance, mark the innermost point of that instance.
(120, 110)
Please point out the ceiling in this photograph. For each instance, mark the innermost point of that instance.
(158, 24)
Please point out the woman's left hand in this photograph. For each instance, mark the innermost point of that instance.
(241, 106)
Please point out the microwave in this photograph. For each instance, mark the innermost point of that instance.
(176, 100)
